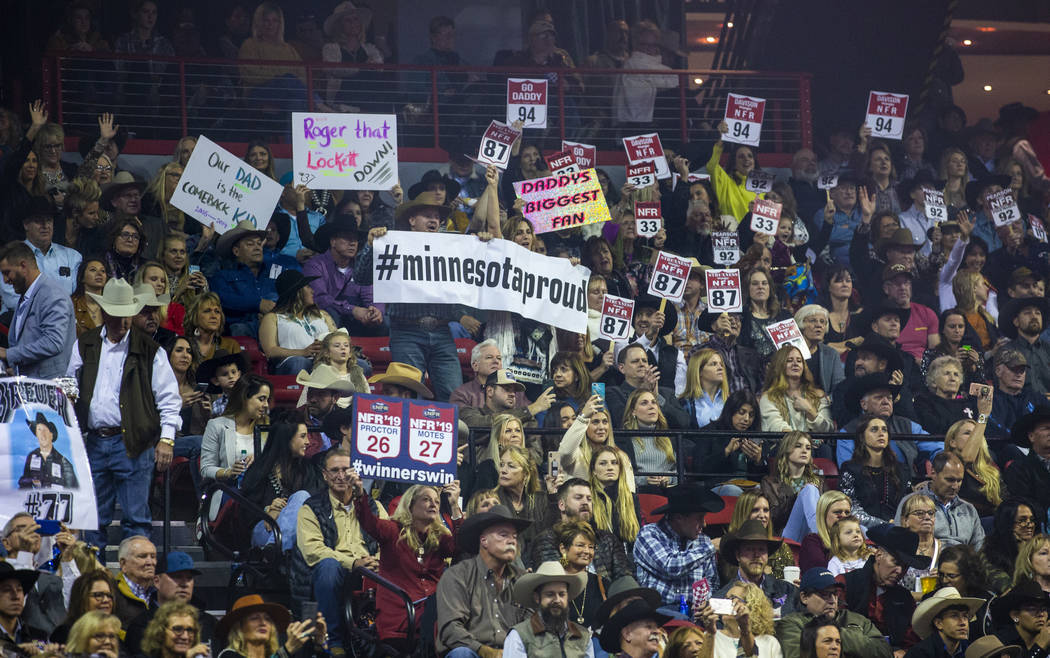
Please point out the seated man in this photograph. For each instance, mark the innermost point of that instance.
(548, 631)
(46, 599)
(1012, 399)
(329, 543)
(748, 549)
(14, 583)
(634, 631)
(485, 359)
(943, 623)
(475, 597)
(633, 362)
(246, 287)
(322, 389)
(874, 394)
(956, 521)
(136, 583)
(334, 287)
(874, 355)
(501, 395)
(174, 582)
(674, 553)
(650, 327)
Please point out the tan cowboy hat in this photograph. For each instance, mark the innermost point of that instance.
(332, 24)
(548, 572)
(118, 299)
(245, 606)
(405, 375)
(424, 200)
(148, 295)
(750, 530)
(325, 377)
(990, 646)
(226, 242)
(946, 597)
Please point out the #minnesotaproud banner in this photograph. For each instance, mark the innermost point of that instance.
(498, 275)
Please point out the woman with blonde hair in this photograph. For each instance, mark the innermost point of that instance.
(756, 638)
(791, 399)
(794, 487)
(203, 325)
(283, 86)
(954, 170)
(982, 482)
(1033, 562)
(917, 513)
(706, 388)
(816, 547)
(183, 284)
(752, 504)
(337, 350)
(975, 298)
(95, 633)
(520, 491)
(506, 430)
(172, 314)
(647, 453)
(251, 630)
(616, 507)
(156, 200)
(591, 429)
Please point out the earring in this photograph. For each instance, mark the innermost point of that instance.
(1016, 620)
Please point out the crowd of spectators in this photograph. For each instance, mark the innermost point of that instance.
(898, 506)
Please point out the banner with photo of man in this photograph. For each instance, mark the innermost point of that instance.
(44, 467)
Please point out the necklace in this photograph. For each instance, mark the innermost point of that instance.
(580, 608)
(321, 203)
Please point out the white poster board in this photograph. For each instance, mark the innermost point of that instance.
(344, 151)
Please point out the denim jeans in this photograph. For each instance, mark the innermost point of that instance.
(803, 518)
(119, 477)
(328, 578)
(190, 448)
(462, 652)
(287, 521)
(433, 352)
(293, 364)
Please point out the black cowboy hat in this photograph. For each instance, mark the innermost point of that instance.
(687, 499)
(469, 536)
(1017, 111)
(921, 177)
(38, 206)
(208, 369)
(630, 613)
(288, 284)
(434, 176)
(751, 530)
(882, 309)
(975, 187)
(882, 349)
(1026, 423)
(27, 577)
(653, 302)
(1010, 310)
(283, 223)
(858, 387)
(339, 225)
(900, 542)
(1027, 591)
(42, 420)
(623, 588)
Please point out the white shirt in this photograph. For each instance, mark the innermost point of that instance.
(105, 401)
(680, 364)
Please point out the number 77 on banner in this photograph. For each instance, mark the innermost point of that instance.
(670, 274)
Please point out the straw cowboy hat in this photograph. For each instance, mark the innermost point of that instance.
(118, 299)
(548, 572)
(226, 242)
(409, 208)
(247, 605)
(148, 295)
(324, 377)
(405, 375)
(942, 599)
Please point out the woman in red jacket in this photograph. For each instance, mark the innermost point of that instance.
(414, 544)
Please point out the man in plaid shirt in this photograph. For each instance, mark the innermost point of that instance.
(674, 553)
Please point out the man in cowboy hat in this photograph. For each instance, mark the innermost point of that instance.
(897, 249)
(148, 319)
(920, 331)
(943, 623)
(634, 631)
(819, 595)
(419, 333)
(1029, 474)
(475, 597)
(119, 368)
(502, 390)
(873, 354)
(548, 632)
(1020, 615)
(14, 584)
(748, 549)
(650, 327)
(322, 388)
(45, 466)
(402, 381)
(875, 395)
(674, 552)
(639, 371)
(247, 288)
(333, 282)
(622, 591)
(874, 590)
(123, 198)
(1023, 320)
(42, 330)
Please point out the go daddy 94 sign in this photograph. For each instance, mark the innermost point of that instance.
(404, 440)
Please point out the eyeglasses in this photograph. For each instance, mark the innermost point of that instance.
(339, 471)
(183, 630)
(102, 596)
(103, 168)
(112, 637)
(923, 513)
(1025, 522)
(126, 235)
(52, 147)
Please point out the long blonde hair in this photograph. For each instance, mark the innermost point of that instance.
(697, 362)
(784, 448)
(521, 457)
(353, 368)
(630, 422)
(585, 445)
(260, 13)
(1023, 565)
(603, 512)
(761, 618)
(824, 503)
(235, 639)
(984, 467)
(499, 423)
(158, 188)
(964, 287)
(776, 387)
(745, 503)
(403, 516)
(837, 549)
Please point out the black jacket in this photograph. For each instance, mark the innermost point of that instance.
(616, 399)
(936, 414)
(1028, 477)
(932, 647)
(898, 604)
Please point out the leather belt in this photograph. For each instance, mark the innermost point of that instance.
(105, 431)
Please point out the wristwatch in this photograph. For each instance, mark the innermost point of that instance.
(168, 442)
(982, 419)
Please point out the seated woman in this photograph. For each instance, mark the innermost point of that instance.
(251, 630)
(92, 591)
(917, 514)
(794, 487)
(561, 415)
(616, 507)
(1015, 523)
(228, 448)
(961, 567)
(791, 399)
(280, 481)
(280, 87)
(521, 492)
(959, 341)
(832, 506)
(648, 453)
(203, 324)
(290, 335)
(591, 429)
(1033, 562)
(506, 431)
(576, 543)
(96, 633)
(753, 609)
(738, 457)
(873, 479)
(706, 388)
(982, 483)
(184, 284)
(975, 299)
(125, 249)
(172, 313)
(753, 505)
(941, 403)
(570, 379)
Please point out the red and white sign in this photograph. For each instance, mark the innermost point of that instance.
(744, 118)
(432, 433)
(759, 181)
(562, 163)
(527, 102)
(827, 181)
(723, 291)
(669, 276)
(886, 114)
(647, 147)
(765, 216)
(642, 174)
(617, 313)
(1038, 230)
(647, 220)
(378, 431)
(786, 332)
(496, 144)
(1003, 207)
(586, 155)
(936, 210)
(693, 177)
(726, 246)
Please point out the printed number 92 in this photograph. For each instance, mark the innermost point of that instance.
(666, 284)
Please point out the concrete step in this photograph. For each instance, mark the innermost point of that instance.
(181, 533)
(194, 551)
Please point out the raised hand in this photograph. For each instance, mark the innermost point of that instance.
(106, 129)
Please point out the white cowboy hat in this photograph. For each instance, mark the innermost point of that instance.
(323, 377)
(548, 572)
(149, 297)
(118, 299)
(332, 26)
(946, 597)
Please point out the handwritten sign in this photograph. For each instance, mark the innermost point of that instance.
(527, 102)
(1038, 229)
(935, 208)
(1003, 207)
(886, 114)
(563, 201)
(404, 440)
(827, 181)
(219, 189)
(669, 276)
(647, 147)
(723, 291)
(647, 218)
(586, 155)
(726, 247)
(344, 151)
(496, 144)
(562, 163)
(765, 216)
(786, 332)
(744, 118)
(617, 313)
(642, 174)
(759, 181)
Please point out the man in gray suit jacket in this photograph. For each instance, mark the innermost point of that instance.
(42, 330)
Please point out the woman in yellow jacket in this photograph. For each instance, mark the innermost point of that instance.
(733, 196)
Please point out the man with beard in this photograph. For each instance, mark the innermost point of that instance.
(548, 632)
(475, 597)
(749, 549)
(803, 182)
(1022, 320)
(322, 388)
(574, 502)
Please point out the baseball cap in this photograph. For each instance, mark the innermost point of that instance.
(891, 271)
(503, 378)
(1010, 358)
(178, 561)
(816, 579)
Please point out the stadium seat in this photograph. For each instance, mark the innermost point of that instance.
(649, 502)
(830, 471)
(463, 349)
(376, 350)
(256, 359)
(723, 517)
(286, 390)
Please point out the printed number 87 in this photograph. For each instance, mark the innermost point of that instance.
(663, 282)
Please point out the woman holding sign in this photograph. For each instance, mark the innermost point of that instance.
(731, 188)
(762, 308)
